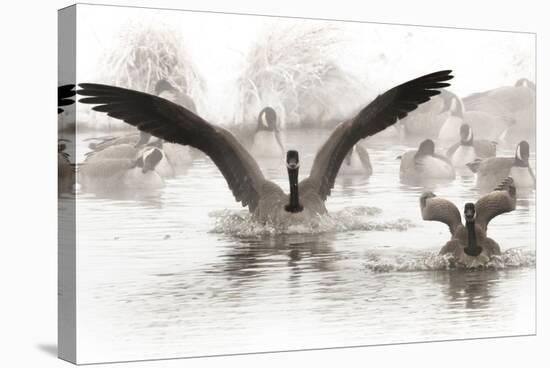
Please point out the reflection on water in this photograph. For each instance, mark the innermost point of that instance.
(184, 271)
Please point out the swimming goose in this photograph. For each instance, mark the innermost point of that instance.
(487, 125)
(425, 165)
(468, 149)
(469, 242)
(122, 174)
(491, 171)
(132, 152)
(357, 162)
(267, 140)
(65, 169)
(265, 199)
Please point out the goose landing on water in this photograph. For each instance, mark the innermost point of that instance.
(493, 170)
(469, 244)
(265, 199)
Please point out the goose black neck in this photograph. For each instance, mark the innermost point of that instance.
(520, 163)
(472, 249)
(294, 204)
(467, 142)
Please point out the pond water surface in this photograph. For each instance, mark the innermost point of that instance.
(183, 271)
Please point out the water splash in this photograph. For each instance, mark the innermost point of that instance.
(410, 260)
(242, 224)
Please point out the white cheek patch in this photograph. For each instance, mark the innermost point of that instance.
(264, 121)
(146, 154)
(518, 154)
(470, 134)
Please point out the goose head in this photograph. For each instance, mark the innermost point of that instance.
(524, 82)
(466, 135)
(426, 148)
(522, 154)
(267, 120)
(472, 248)
(292, 166)
(164, 86)
(149, 160)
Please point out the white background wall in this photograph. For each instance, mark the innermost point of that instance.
(28, 242)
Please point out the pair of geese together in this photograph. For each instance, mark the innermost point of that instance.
(267, 202)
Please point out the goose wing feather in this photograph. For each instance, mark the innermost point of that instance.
(501, 200)
(174, 123)
(384, 111)
(63, 96)
(434, 208)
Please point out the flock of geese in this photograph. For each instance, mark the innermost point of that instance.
(169, 125)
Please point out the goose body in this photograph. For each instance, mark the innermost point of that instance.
(130, 152)
(493, 170)
(264, 199)
(424, 165)
(120, 174)
(469, 243)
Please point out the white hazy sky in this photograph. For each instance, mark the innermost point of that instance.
(382, 55)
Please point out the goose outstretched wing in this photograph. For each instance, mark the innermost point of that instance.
(384, 111)
(174, 123)
(434, 208)
(63, 94)
(501, 200)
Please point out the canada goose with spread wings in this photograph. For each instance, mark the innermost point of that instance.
(469, 243)
(265, 199)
